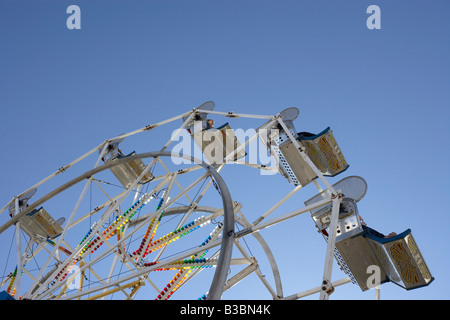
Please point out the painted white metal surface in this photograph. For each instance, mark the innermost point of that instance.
(43, 285)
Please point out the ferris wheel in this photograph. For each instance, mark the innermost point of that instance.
(111, 223)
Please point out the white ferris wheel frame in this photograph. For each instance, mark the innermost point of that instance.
(326, 286)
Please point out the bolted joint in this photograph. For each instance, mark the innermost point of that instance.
(149, 127)
(339, 196)
(327, 287)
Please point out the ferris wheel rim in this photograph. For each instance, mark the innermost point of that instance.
(218, 282)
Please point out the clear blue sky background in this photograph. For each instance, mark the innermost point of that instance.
(385, 93)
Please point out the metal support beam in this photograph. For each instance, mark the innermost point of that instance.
(17, 281)
(327, 289)
(316, 289)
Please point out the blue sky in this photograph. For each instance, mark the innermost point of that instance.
(385, 94)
